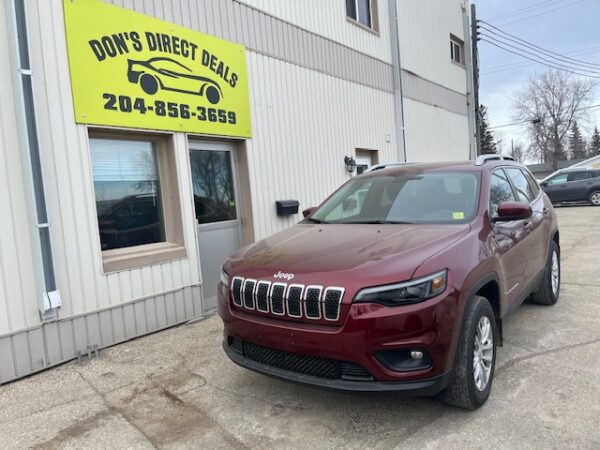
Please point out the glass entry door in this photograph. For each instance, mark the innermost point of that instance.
(215, 202)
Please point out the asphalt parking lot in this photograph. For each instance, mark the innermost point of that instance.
(176, 389)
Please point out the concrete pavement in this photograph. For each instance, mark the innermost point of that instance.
(176, 389)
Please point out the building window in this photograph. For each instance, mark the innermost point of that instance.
(137, 202)
(457, 50)
(363, 12)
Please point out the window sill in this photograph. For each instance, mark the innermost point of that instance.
(362, 26)
(462, 66)
(144, 255)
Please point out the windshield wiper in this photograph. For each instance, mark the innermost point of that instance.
(311, 220)
(380, 222)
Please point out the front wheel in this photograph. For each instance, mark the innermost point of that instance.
(549, 290)
(595, 198)
(475, 358)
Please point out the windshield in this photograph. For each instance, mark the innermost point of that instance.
(433, 197)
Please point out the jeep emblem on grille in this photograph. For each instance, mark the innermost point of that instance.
(285, 276)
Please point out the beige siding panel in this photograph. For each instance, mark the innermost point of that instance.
(424, 32)
(18, 292)
(69, 184)
(305, 122)
(328, 18)
(424, 91)
(434, 134)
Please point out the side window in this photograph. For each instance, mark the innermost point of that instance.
(578, 176)
(558, 179)
(500, 192)
(522, 188)
(535, 187)
(457, 50)
(363, 12)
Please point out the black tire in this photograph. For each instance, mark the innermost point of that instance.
(149, 84)
(594, 198)
(545, 294)
(463, 391)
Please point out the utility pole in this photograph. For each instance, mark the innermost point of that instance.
(474, 41)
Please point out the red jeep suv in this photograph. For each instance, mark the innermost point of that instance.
(399, 281)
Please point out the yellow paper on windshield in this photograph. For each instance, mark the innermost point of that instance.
(458, 215)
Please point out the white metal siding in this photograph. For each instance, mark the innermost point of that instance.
(304, 123)
(434, 134)
(424, 29)
(328, 18)
(18, 307)
(69, 186)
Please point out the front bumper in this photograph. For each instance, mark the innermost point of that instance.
(425, 387)
(430, 326)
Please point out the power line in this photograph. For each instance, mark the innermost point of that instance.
(542, 13)
(541, 117)
(519, 64)
(521, 41)
(540, 59)
(526, 9)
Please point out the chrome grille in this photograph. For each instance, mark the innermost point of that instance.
(331, 303)
(249, 293)
(262, 296)
(312, 307)
(294, 297)
(278, 299)
(294, 300)
(236, 290)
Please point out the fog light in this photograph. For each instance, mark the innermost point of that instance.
(415, 354)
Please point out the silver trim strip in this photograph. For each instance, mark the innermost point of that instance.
(283, 300)
(233, 295)
(319, 301)
(251, 280)
(287, 299)
(341, 291)
(268, 283)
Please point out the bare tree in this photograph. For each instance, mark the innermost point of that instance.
(549, 104)
(517, 151)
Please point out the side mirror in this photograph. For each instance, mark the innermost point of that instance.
(308, 211)
(513, 211)
(543, 183)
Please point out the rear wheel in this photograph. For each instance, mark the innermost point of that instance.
(476, 357)
(212, 94)
(149, 84)
(595, 198)
(549, 290)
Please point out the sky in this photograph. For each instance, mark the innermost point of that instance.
(568, 27)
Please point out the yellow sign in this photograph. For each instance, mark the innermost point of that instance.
(131, 70)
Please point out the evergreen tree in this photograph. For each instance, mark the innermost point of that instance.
(595, 144)
(576, 143)
(488, 144)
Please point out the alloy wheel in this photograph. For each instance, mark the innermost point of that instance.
(555, 276)
(595, 198)
(483, 353)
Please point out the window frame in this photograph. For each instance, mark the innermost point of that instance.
(374, 16)
(456, 41)
(512, 189)
(173, 247)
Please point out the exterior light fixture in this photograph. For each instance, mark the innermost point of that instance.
(350, 164)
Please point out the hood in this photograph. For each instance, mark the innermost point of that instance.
(336, 254)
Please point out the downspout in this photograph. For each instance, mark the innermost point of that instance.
(49, 297)
(397, 70)
(471, 105)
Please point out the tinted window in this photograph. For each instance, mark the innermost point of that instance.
(500, 192)
(558, 179)
(212, 180)
(127, 192)
(535, 187)
(577, 176)
(521, 185)
(435, 197)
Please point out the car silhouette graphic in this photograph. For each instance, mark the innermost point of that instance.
(170, 75)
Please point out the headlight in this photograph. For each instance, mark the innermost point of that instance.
(413, 291)
(224, 278)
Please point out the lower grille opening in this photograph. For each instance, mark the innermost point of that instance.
(305, 364)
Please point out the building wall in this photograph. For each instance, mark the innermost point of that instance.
(328, 18)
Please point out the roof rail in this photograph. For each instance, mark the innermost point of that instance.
(482, 159)
(386, 165)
